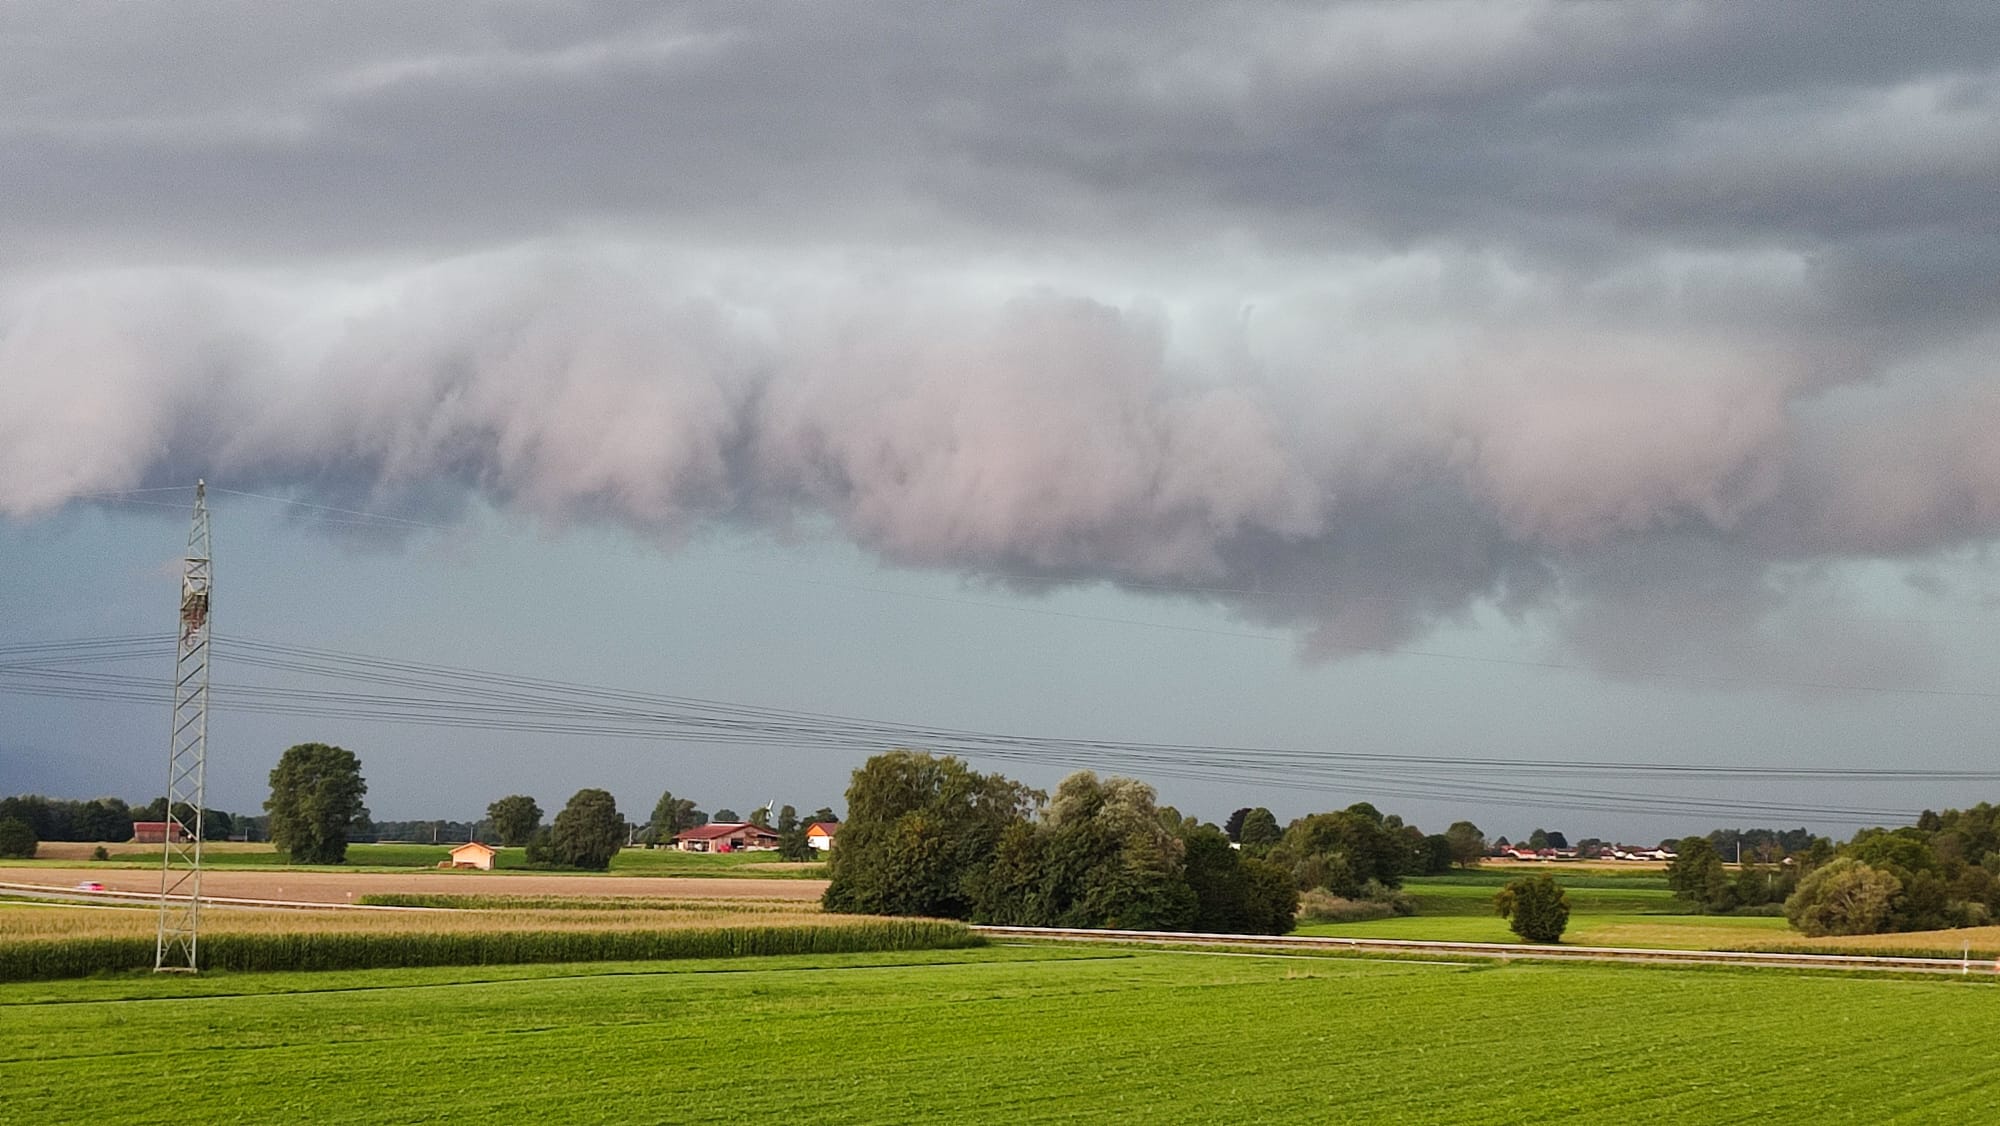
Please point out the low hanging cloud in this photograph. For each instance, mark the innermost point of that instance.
(1351, 318)
(1047, 436)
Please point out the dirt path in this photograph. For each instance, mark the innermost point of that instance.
(342, 887)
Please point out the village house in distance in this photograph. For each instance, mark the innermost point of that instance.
(819, 835)
(728, 836)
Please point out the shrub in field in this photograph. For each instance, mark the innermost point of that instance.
(100, 853)
(1846, 896)
(40, 960)
(1373, 902)
(17, 839)
(1535, 907)
(1322, 906)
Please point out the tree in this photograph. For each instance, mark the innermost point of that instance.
(824, 814)
(17, 839)
(1558, 840)
(792, 843)
(1845, 896)
(1101, 856)
(1468, 844)
(1434, 855)
(921, 830)
(515, 818)
(726, 816)
(1234, 893)
(1539, 839)
(671, 817)
(1697, 876)
(315, 802)
(1259, 831)
(761, 817)
(1344, 851)
(1233, 827)
(1535, 907)
(588, 832)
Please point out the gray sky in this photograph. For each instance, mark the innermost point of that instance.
(1003, 369)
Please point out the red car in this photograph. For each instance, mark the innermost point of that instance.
(90, 885)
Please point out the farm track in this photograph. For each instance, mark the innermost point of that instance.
(336, 886)
(1508, 952)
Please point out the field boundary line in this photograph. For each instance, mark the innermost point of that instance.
(1500, 951)
(57, 891)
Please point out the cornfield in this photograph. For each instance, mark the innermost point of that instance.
(254, 950)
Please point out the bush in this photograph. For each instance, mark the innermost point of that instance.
(1322, 906)
(1535, 907)
(100, 853)
(17, 839)
(43, 959)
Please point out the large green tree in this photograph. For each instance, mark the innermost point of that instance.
(315, 802)
(1101, 856)
(1258, 831)
(1234, 893)
(588, 832)
(17, 839)
(1344, 851)
(1697, 876)
(921, 830)
(1846, 896)
(515, 817)
(671, 817)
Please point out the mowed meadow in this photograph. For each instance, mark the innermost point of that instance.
(1000, 1035)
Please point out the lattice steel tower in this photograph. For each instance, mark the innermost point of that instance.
(187, 755)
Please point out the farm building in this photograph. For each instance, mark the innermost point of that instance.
(155, 832)
(729, 836)
(819, 834)
(471, 855)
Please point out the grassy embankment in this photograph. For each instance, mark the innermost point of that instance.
(401, 857)
(1000, 1035)
(1631, 909)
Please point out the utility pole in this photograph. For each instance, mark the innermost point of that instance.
(187, 758)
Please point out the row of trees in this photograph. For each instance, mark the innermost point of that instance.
(927, 835)
(104, 819)
(1942, 872)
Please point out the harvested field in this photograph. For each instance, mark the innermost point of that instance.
(335, 885)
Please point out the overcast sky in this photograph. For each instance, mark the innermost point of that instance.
(1574, 381)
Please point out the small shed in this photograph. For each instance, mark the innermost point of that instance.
(820, 834)
(472, 854)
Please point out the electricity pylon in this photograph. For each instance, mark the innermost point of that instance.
(187, 758)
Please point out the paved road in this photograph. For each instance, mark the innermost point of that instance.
(335, 886)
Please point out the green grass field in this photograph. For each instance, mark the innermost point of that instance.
(1021, 1035)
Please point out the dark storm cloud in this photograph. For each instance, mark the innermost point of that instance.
(1354, 316)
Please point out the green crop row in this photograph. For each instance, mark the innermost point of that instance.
(78, 957)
